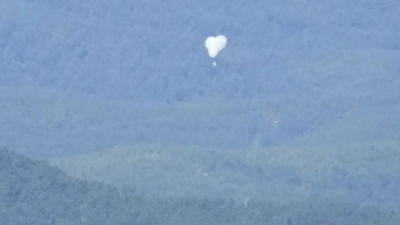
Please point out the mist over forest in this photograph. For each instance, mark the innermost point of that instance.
(108, 99)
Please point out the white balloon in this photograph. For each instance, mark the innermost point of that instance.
(215, 44)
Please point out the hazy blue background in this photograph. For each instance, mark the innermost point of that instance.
(125, 93)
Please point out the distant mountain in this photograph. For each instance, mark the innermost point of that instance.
(34, 193)
(84, 76)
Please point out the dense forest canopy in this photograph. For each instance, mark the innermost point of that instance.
(34, 193)
(104, 73)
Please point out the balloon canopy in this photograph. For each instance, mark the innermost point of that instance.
(215, 44)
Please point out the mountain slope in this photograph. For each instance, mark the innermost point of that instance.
(34, 193)
(361, 173)
(80, 76)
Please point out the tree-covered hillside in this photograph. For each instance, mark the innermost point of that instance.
(83, 76)
(32, 192)
(366, 174)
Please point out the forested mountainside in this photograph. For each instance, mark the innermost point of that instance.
(300, 116)
(85, 76)
(365, 174)
(34, 193)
